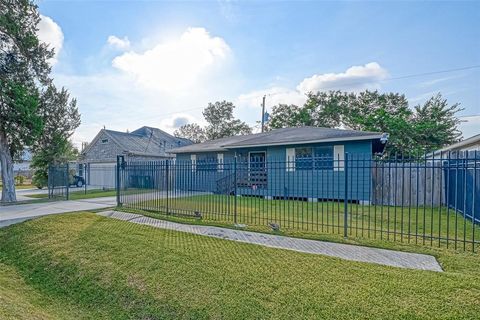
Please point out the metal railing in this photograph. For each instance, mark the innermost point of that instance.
(432, 200)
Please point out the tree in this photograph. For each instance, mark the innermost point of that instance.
(412, 131)
(221, 123)
(23, 68)
(284, 116)
(324, 109)
(60, 116)
(25, 85)
(191, 131)
(435, 124)
(60, 150)
(382, 112)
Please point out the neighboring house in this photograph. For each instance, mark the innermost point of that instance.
(97, 161)
(21, 166)
(469, 144)
(268, 162)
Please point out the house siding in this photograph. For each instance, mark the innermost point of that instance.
(103, 152)
(283, 183)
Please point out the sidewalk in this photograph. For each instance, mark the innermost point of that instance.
(338, 250)
(18, 213)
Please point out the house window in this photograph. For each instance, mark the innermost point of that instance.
(303, 158)
(323, 157)
(318, 158)
(104, 140)
(207, 163)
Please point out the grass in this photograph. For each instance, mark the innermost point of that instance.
(83, 266)
(77, 195)
(23, 186)
(425, 225)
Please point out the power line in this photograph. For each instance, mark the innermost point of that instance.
(434, 72)
(414, 75)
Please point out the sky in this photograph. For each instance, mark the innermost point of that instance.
(131, 64)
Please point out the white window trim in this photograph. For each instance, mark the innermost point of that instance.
(290, 159)
(193, 158)
(339, 157)
(220, 162)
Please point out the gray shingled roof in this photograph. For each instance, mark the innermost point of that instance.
(283, 136)
(147, 141)
(211, 146)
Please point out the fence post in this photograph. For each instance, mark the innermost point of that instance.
(49, 182)
(68, 180)
(167, 178)
(235, 190)
(345, 205)
(120, 160)
(85, 177)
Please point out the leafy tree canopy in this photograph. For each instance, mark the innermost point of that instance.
(31, 108)
(412, 130)
(220, 123)
(191, 131)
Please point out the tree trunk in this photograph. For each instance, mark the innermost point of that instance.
(6, 163)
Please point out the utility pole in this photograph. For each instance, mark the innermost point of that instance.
(263, 113)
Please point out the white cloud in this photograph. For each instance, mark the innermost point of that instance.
(119, 43)
(355, 78)
(175, 65)
(162, 87)
(50, 33)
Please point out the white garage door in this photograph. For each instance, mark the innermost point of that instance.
(101, 175)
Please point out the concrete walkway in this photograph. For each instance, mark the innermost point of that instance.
(12, 214)
(343, 251)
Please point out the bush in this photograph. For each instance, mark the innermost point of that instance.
(19, 180)
(39, 180)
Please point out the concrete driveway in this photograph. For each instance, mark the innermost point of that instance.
(18, 213)
(22, 194)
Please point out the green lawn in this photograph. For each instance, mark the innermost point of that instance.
(23, 186)
(80, 194)
(424, 225)
(83, 266)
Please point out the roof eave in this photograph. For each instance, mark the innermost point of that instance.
(199, 150)
(147, 154)
(369, 137)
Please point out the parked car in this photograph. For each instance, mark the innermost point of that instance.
(78, 181)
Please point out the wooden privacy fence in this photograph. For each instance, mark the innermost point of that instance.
(409, 183)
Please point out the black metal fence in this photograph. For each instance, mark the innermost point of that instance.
(431, 200)
(59, 181)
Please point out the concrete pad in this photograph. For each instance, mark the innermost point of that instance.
(338, 250)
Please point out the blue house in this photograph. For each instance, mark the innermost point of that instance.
(303, 163)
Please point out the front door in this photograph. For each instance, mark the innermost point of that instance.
(257, 172)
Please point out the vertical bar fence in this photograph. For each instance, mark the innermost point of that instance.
(430, 200)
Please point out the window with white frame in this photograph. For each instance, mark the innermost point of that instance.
(314, 158)
(206, 162)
